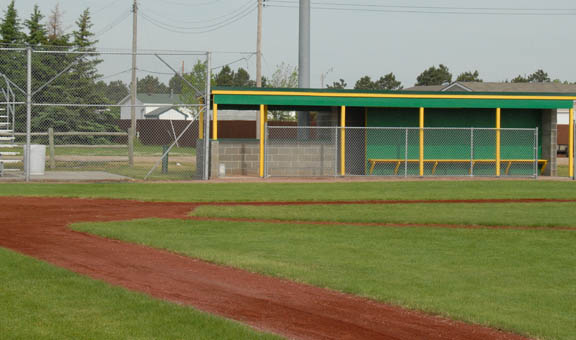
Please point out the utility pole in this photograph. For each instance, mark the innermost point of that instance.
(304, 56)
(133, 86)
(259, 46)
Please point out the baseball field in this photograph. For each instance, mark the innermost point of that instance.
(356, 260)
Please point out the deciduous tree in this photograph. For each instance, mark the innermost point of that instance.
(469, 77)
(434, 76)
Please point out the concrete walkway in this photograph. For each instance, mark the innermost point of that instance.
(68, 176)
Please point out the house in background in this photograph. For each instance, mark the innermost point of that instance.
(163, 106)
(562, 115)
(460, 86)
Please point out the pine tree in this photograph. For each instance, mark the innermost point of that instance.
(36, 30)
(56, 34)
(10, 28)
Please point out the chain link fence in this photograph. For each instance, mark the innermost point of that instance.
(83, 116)
(401, 152)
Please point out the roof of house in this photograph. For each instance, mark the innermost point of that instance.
(289, 99)
(159, 98)
(499, 87)
(161, 110)
(155, 98)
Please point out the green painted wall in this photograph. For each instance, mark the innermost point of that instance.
(451, 144)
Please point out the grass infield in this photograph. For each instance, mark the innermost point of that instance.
(485, 214)
(207, 192)
(518, 280)
(40, 301)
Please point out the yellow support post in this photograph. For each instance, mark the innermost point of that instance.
(343, 141)
(262, 134)
(201, 125)
(421, 161)
(498, 115)
(571, 143)
(215, 122)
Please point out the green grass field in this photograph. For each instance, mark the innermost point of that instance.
(40, 301)
(518, 280)
(207, 192)
(486, 214)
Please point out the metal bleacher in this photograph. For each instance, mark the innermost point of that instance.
(8, 155)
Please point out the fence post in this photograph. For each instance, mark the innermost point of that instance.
(207, 116)
(28, 113)
(51, 148)
(343, 141)
(498, 114)
(421, 160)
(262, 138)
(335, 151)
(130, 147)
(471, 152)
(536, 152)
(406, 154)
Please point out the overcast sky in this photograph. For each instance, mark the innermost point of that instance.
(346, 43)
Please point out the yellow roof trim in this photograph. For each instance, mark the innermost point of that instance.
(390, 95)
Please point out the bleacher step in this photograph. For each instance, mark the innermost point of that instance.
(10, 161)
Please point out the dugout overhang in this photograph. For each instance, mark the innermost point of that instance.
(237, 98)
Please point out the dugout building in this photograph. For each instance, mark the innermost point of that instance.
(393, 133)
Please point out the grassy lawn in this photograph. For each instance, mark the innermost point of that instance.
(139, 151)
(40, 301)
(518, 280)
(509, 214)
(177, 170)
(206, 192)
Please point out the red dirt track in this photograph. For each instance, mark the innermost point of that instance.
(38, 227)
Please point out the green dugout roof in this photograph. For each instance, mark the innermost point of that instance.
(251, 98)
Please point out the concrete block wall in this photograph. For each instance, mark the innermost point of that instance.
(311, 159)
(550, 141)
(240, 158)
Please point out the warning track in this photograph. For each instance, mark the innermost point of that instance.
(38, 227)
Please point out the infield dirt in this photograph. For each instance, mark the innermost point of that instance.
(38, 227)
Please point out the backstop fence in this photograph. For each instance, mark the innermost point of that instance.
(402, 152)
(78, 105)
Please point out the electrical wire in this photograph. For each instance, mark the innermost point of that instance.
(218, 18)
(427, 7)
(232, 62)
(115, 74)
(214, 27)
(462, 11)
(189, 4)
(113, 24)
(108, 5)
(155, 72)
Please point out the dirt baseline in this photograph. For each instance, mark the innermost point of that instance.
(38, 227)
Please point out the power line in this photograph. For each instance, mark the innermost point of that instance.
(218, 18)
(190, 4)
(464, 11)
(114, 23)
(183, 30)
(323, 3)
(115, 74)
(232, 62)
